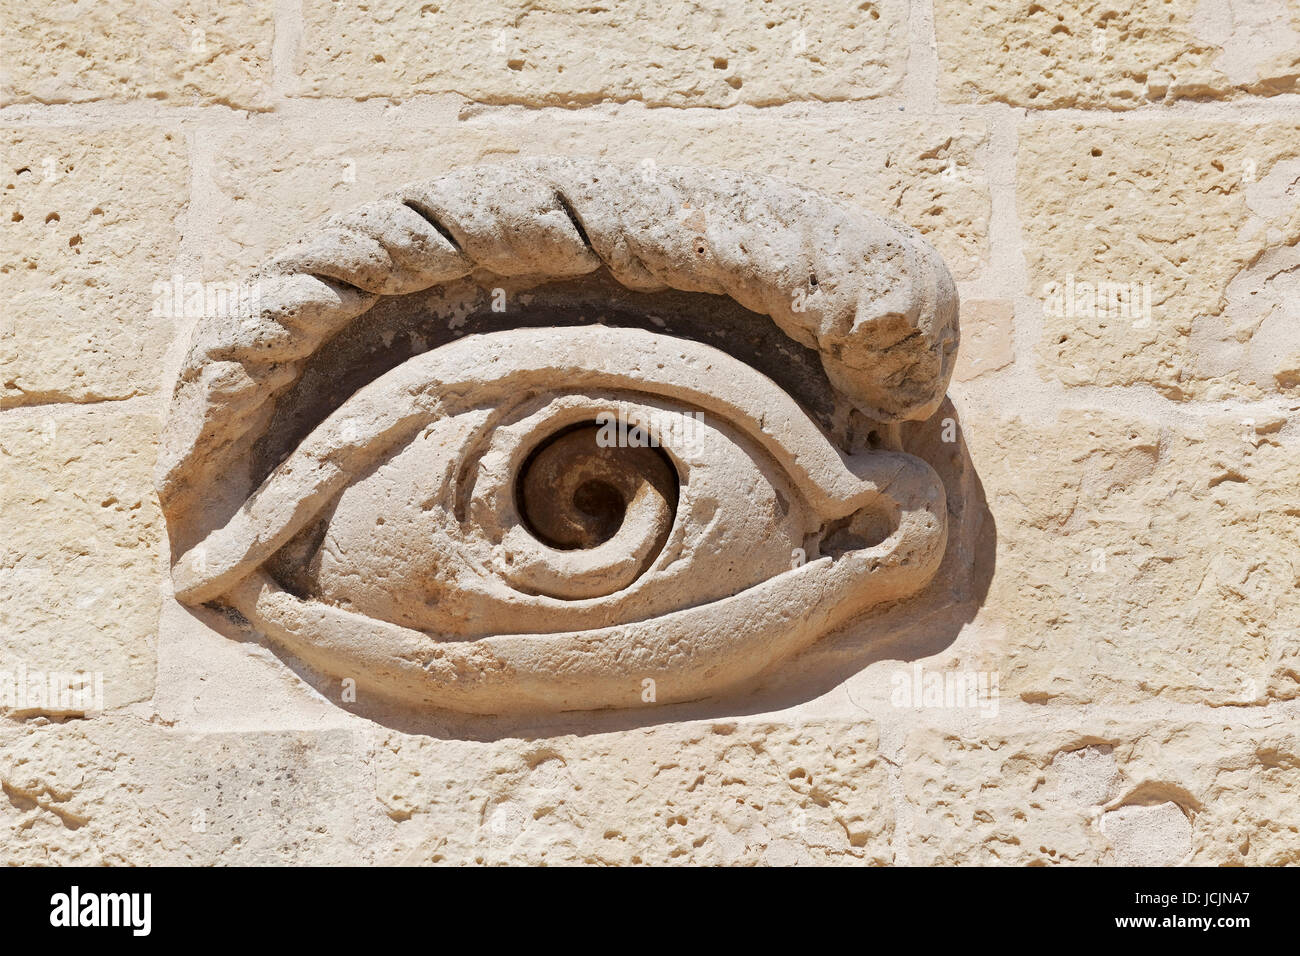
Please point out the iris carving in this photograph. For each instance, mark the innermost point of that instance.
(530, 516)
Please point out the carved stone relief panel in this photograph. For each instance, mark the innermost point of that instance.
(534, 437)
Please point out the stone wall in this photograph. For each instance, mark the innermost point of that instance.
(1137, 619)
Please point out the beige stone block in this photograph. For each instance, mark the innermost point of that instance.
(990, 796)
(1140, 562)
(1163, 253)
(81, 559)
(987, 330)
(1154, 791)
(92, 219)
(186, 53)
(1148, 835)
(677, 53)
(722, 793)
(274, 180)
(124, 792)
(1093, 55)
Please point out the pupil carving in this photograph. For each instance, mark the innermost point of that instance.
(574, 494)
(602, 502)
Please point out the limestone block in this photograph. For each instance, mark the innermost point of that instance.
(271, 178)
(194, 51)
(989, 796)
(82, 551)
(1140, 562)
(1148, 834)
(124, 792)
(987, 332)
(1188, 228)
(91, 223)
(570, 54)
(1093, 55)
(722, 793)
(1075, 790)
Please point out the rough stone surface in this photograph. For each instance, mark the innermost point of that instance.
(270, 179)
(1068, 791)
(195, 51)
(1104, 669)
(82, 547)
(729, 794)
(569, 54)
(1201, 217)
(91, 222)
(1189, 791)
(1141, 562)
(122, 792)
(1096, 55)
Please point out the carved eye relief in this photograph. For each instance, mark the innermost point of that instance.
(546, 517)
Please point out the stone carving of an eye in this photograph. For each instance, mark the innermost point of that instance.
(636, 471)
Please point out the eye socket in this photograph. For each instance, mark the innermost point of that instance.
(425, 559)
(625, 605)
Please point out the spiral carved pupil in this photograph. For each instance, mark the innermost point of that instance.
(575, 494)
(603, 504)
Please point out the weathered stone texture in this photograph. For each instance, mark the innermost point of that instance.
(194, 51)
(1202, 217)
(123, 792)
(1097, 55)
(271, 179)
(91, 220)
(1019, 790)
(1139, 562)
(712, 794)
(1198, 791)
(120, 791)
(569, 54)
(82, 548)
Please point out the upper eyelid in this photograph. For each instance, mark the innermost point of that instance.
(401, 402)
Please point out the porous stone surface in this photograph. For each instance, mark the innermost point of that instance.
(712, 794)
(92, 219)
(269, 179)
(117, 792)
(1097, 55)
(1206, 792)
(1198, 221)
(1142, 562)
(82, 547)
(568, 54)
(194, 51)
(1103, 667)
